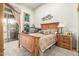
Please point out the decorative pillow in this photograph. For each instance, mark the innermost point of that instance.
(46, 32)
(49, 31)
(52, 31)
(41, 31)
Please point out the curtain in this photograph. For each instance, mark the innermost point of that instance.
(17, 16)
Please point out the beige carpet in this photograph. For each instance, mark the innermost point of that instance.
(12, 49)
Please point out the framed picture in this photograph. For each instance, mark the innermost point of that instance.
(48, 17)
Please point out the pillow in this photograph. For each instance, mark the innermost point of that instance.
(49, 31)
(41, 31)
(46, 32)
(53, 31)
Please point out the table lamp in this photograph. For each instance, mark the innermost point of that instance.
(60, 26)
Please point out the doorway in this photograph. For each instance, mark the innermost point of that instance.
(10, 25)
(10, 29)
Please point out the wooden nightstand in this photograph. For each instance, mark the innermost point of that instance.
(64, 41)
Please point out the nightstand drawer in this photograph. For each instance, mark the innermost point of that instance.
(64, 45)
(67, 38)
(65, 41)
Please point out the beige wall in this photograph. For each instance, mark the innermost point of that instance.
(78, 34)
(65, 13)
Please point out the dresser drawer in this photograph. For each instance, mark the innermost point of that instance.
(67, 38)
(64, 41)
(64, 45)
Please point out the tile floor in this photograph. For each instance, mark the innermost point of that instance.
(12, 49)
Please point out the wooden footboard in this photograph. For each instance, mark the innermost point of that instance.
(29, 42)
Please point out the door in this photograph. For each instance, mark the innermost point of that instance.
(11, 22)
(10, 25)
(1, 30)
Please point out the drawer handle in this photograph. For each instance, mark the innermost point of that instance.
(64, 42)
(63, 45)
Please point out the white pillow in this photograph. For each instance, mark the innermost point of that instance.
(53, 31)
(46, 32)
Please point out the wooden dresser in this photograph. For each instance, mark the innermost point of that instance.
(64, 41)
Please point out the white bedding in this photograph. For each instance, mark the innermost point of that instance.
(47, 41)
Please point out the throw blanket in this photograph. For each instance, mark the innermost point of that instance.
(47, 41)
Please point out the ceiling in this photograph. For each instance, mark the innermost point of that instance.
(31, 5)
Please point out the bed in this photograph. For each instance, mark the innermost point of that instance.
(39, 42)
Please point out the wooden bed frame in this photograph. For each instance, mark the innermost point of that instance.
(53, 25)
(31, 42)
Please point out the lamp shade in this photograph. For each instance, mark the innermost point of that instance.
(60, 25)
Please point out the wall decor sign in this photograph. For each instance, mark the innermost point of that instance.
(48, 17)
(26, 21)
(27, 17)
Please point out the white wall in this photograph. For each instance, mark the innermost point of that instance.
(64, 13)
(25, 10)
(78, 32)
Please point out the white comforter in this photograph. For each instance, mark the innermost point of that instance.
(47, 41)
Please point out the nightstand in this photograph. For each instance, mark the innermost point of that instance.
(64, 41)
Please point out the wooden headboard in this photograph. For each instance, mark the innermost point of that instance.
(53, 25)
